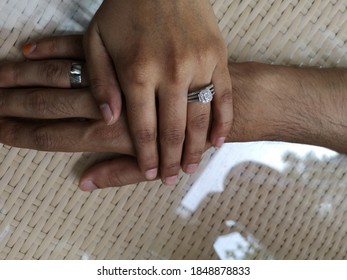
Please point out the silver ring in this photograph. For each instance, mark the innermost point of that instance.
(76, 75)
(204, 95)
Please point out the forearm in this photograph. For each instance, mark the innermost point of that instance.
(301, 105)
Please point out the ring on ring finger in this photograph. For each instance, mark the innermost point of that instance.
(204, 95)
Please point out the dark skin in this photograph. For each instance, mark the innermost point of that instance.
(272, 103)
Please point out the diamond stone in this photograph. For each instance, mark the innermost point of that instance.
(205, 96)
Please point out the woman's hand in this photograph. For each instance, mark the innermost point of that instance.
(156, 52)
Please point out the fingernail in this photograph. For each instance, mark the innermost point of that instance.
(106, 113)
(151, 174)
(28, 48)
(171, 180)
(220, 142)
(191, 168)
(88, 186)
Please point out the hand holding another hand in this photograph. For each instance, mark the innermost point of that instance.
(156, 52)
(262, 93)
(40, 111)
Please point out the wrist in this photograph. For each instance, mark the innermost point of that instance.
(291, 104)
(257, 112)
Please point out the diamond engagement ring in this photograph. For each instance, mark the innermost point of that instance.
(76, 75)
(204, 95)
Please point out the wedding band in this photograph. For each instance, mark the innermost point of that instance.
(204, 95)
(76, 75)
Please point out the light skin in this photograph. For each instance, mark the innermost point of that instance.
(272, 103)
(160, 51)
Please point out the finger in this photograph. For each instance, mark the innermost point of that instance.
(173, 115)
(55, 47)
(114, 173)
(58, 104)
(46, 73)
(103, 82)
(67, 137)
(196, 136)
(198, 115)
(141, 112)
(222, 106)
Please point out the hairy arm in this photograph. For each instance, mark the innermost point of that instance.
(291, 104)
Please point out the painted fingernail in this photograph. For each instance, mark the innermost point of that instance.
(28, 48)
(171, 180)
(88, 186)
(220, 142)
(106, 113)
(151, 174)
(191, 168)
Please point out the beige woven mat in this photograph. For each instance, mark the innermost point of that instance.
(296, 213)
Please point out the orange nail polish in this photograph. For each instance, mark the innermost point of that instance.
(28, 48)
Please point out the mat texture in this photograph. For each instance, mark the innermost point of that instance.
(260, 213)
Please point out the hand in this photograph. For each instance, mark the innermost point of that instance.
(71, 135)
(268, 100)
(161, 50)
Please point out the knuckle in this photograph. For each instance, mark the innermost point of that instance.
(199, 122)
(14, 74)
(205, 56)
(138, 78)
(178, 76)
(35, 102)
(10, 74)
(148, 162)
(52, 72)
(209, 53)
(3, 101)
(136, 73)
(114, 179)
(179, 68)
(172, 137)
(171, 168)
(136, 105)
(226, 96)
(105, 134)
(145, 136)
(223, 126)
(53, 45)
(61, 107)
(194, 155)
(42, 139)
(9, 134)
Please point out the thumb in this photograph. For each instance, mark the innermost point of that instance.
(102, 77)
(118, 172)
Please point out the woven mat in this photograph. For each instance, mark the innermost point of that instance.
(298, 212)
